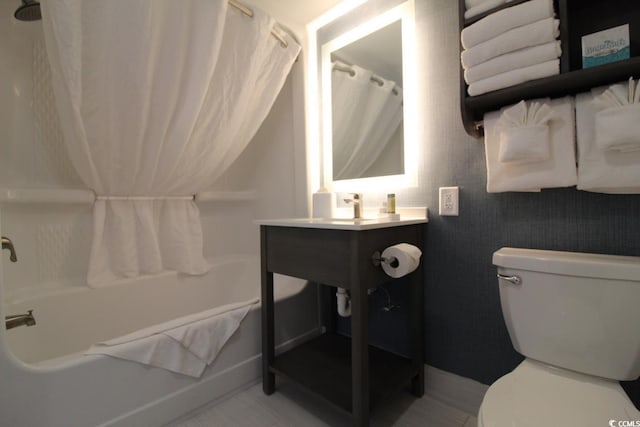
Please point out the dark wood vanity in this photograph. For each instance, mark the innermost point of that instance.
(346, 371)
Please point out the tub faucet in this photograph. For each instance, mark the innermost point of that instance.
(357, 201)
(16, 320)
(8, 244)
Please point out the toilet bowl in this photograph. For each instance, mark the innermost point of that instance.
(574, 317)
(537, 395)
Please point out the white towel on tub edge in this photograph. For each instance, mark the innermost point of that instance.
(186, 345)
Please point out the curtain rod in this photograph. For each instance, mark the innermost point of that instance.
(247, 11)
(352, 73)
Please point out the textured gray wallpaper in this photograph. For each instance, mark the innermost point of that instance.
(465, 331)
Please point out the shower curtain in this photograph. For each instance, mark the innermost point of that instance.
(365, 116)
(156, 99)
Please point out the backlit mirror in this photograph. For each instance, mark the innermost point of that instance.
(367, 86)
(366, 106)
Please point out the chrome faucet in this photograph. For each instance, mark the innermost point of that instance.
(16, 320)
(8, 244)
(357, 202)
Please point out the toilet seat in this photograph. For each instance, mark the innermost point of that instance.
(535, 394)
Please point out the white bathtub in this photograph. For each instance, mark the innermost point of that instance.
(47, 381)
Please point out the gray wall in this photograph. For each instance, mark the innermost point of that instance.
(464, 329)
(465, 332)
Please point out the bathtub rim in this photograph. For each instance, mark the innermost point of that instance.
(27, 294)
(283, 292)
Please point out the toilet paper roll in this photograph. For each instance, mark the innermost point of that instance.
(407, 259)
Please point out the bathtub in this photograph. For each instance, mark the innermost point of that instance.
(46, 380)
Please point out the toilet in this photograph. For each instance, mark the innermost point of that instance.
(576, 319)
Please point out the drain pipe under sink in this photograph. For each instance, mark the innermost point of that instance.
(344, 302)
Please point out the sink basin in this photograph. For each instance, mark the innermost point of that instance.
(348, 220)
(330, 221)
(341, 223)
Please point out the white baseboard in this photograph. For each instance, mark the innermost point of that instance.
(456, 391)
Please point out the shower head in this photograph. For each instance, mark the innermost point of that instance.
(29, 10)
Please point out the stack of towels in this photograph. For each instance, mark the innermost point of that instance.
(510, 47)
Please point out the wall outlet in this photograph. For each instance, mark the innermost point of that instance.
(448, 205)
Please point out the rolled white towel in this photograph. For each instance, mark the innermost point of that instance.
(505, 20)
(514, 77)
(482, 7)
(472, 3)
(514, 60)
(535, 34)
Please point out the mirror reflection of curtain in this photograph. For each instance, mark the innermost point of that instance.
(366, 114)
(157, 98)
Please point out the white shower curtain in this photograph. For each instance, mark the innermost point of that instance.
(156, 99)
(365, 116)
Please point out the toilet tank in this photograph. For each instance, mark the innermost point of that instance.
(573, 310)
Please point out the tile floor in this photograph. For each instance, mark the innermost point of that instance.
(291, 406)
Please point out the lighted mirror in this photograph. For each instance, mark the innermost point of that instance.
(368, 109)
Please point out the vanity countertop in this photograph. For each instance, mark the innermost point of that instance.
(343, 223)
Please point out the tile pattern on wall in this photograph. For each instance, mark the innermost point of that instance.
(60, 251)
(51, 161)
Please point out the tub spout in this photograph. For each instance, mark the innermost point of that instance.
(8, 244)
(16, 320)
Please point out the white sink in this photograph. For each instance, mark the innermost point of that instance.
(347, 220)
(342, 223)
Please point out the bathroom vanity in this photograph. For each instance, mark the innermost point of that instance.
(347, 372)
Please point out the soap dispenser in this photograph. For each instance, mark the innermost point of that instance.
(323, 202)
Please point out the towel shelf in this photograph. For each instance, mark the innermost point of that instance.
(577, 18)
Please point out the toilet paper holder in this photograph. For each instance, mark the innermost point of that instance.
(377, 259)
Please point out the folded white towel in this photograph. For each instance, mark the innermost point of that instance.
(185, 345)
(539, 32)
(524, 133)
(482, 7)
(618, 128)
(618, 121)
(524, 144)
(514, 60)
(558, 171)
(504, 20)
(514, 77)
(612, 171)
(468, 4)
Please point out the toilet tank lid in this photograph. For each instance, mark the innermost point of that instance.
(616, 267)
